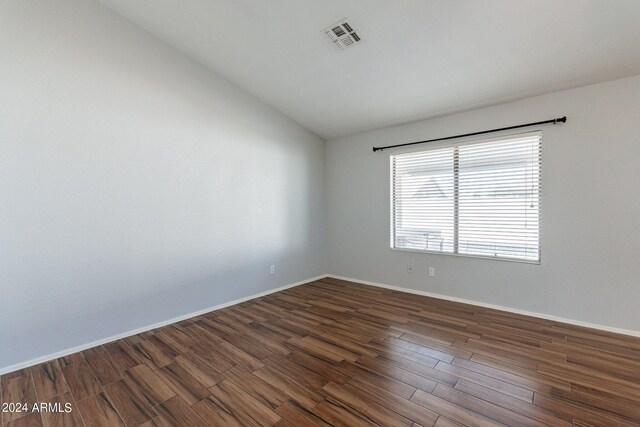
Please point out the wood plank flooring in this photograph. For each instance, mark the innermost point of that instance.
(338, 353)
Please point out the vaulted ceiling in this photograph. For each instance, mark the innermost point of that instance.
(417, 58)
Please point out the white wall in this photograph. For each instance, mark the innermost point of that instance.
(135, 185)
(590, 226)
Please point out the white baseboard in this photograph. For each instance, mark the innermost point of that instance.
(82, 347)
(493, 306)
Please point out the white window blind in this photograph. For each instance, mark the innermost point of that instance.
(478, 199)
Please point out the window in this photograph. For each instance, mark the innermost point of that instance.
(478, 199)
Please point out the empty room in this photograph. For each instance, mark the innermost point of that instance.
(319, 213)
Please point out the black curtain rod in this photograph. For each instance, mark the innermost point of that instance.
(545, 122)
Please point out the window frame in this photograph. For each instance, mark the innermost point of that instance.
(445, 144)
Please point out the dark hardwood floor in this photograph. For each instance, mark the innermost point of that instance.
(339, 353)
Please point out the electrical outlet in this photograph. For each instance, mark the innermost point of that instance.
(432, 271)
(409, 268)
(272, 269)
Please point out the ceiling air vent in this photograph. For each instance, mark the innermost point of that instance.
(342, 34)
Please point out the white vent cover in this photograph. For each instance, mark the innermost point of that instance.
(342, 34)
